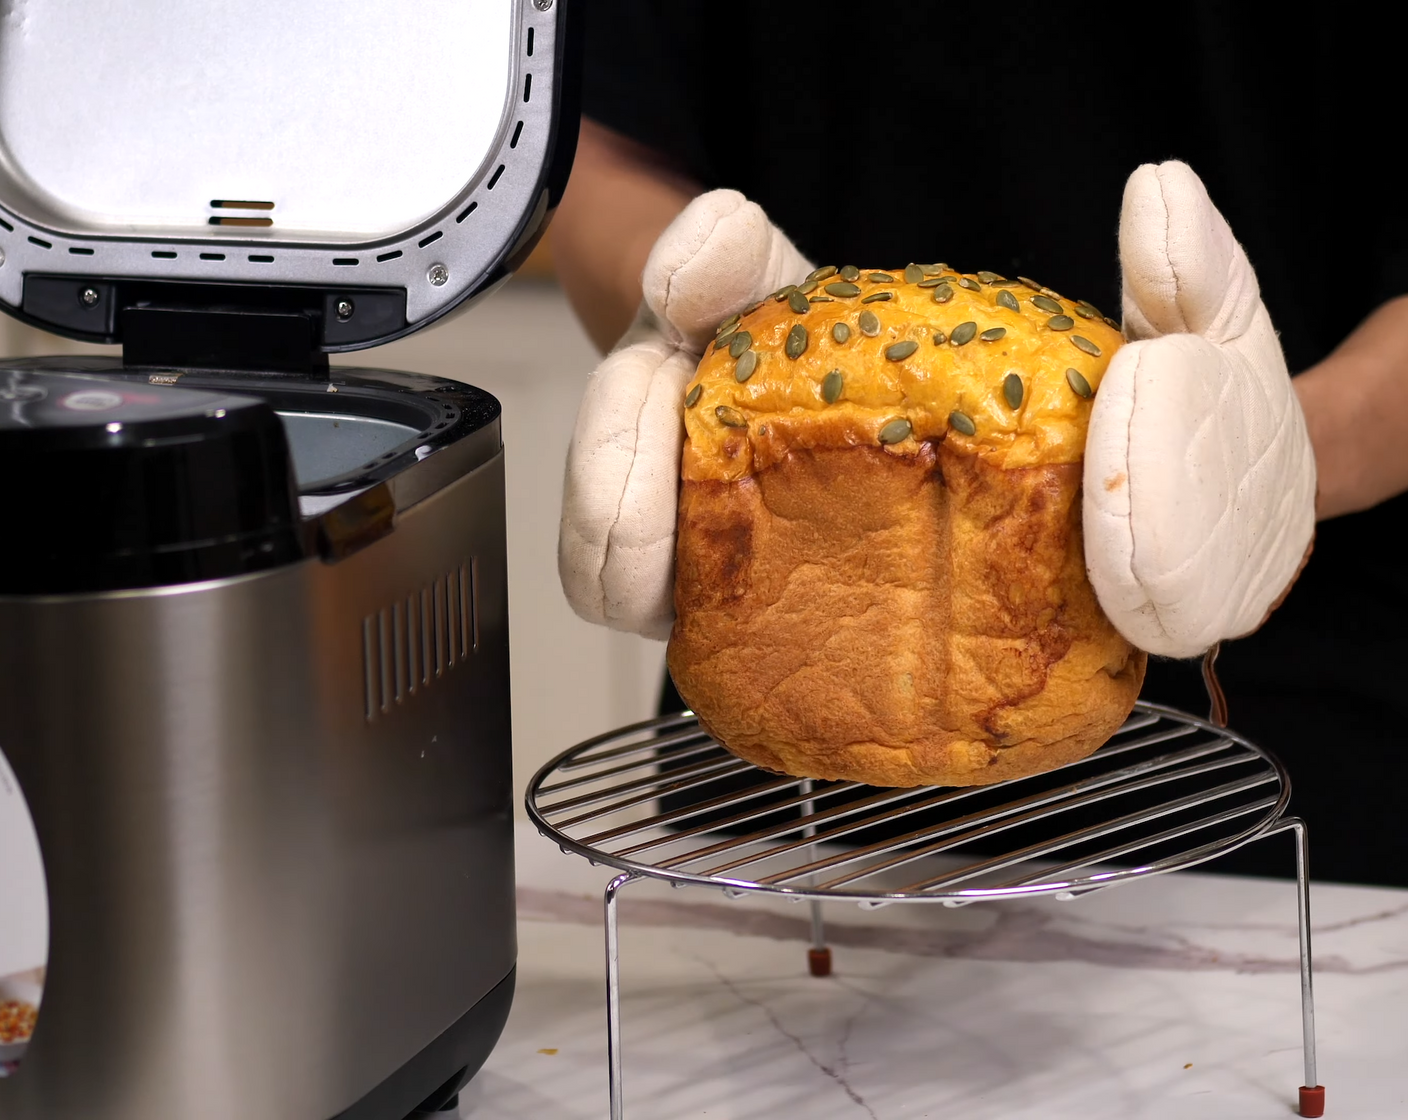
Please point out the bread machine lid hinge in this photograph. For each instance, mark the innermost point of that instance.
(223, 338)
(268, 327)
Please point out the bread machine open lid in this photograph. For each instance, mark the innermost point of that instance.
(365, 166)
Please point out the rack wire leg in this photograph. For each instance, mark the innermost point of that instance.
(613, 996)
(1312, 1093)
(819, 955)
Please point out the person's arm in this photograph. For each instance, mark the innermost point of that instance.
(1356, 409)
(621, 196)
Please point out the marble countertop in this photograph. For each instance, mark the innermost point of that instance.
(1176, 997)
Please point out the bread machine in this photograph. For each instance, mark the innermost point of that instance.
(253, 613)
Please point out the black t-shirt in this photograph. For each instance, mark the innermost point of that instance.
(1000, 137)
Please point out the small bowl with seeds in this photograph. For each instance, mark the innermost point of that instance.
(19, 1011)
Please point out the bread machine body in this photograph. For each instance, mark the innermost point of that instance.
(273, 804)
(253, 618)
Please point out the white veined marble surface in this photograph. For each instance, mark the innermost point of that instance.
(1173, 998)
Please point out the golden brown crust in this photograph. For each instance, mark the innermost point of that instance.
(783, 405)
(848, 614)
(897, 611)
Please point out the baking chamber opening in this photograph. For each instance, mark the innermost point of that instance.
(324, 445)
(24, 922)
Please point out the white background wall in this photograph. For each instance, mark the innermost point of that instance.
(570, 679)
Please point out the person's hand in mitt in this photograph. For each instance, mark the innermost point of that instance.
(1199, 477)
(1199, 485)
(616, 551)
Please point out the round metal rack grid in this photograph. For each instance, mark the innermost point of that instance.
(663, 800)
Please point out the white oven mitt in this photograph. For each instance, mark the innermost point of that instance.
(616, 549)
(1199, 504)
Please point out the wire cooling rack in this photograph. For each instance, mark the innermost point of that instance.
(663, 800)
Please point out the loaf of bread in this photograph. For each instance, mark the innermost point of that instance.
(879, 571)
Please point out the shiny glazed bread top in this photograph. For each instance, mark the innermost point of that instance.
(1004, 369)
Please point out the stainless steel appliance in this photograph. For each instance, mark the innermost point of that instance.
(253, 613)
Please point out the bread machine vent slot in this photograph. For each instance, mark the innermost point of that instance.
(415, 641)
(237, 219)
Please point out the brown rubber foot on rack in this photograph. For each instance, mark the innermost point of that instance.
(819, 962)
(1312, 1101)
